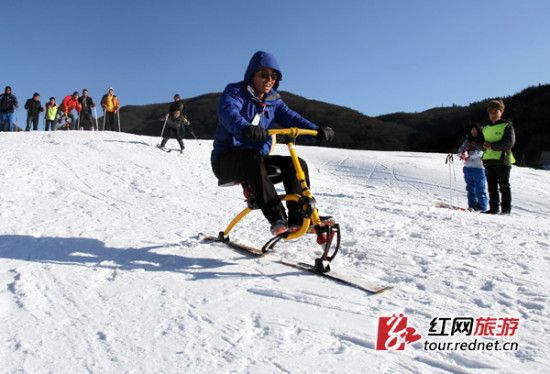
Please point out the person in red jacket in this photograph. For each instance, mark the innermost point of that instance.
(69, 103)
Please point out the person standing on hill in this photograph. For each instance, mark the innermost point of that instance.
(51, 114)
(500, 137)
(8, 102)
(34, 108)
(86, 119)
(246, 111)
(177, 104)
(110, 106)
(69, 103)
(470, 152)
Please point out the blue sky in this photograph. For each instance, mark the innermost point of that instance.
(376, 57)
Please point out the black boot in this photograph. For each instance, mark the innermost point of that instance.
(163, 143)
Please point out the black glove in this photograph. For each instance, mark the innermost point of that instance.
(255, 133)
(325, 133)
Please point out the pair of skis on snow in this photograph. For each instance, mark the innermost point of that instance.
(339, 276)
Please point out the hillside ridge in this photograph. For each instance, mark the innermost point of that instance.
(438, 130)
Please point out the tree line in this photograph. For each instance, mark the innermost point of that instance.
(439, 130)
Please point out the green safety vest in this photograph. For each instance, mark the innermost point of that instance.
(495, 133)
(52, 111)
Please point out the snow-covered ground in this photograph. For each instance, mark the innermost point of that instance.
(101, 269)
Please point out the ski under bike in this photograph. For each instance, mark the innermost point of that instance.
(66, 125)
(328, 232)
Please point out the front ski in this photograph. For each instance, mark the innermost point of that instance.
(356, 282)
(440, 204)
(243, 248)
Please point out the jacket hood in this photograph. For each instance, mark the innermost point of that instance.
(262, 59)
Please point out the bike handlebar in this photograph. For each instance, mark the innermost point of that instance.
(292, 132)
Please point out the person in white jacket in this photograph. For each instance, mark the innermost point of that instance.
(470, 152)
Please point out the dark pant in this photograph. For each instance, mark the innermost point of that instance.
(86, 120)
(172, 132)
(34, 121)
(48, 123)
(248, 165)
(498, 178)
(110, 121)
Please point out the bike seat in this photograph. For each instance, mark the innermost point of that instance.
(273, 173)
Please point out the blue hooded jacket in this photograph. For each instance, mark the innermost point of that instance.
(238, 106)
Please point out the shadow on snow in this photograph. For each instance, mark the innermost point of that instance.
(93, 252)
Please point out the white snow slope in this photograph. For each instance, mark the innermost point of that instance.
(101, 269)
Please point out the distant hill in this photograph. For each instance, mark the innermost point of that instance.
(435, 130)
(443, 129)
(354, 130)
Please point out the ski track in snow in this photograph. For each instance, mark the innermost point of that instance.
(102, 270)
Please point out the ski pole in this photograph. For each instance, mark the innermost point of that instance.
(118, 117)
(192, 133)
(194, 136)
(449, 160)
(104, 114)
(95, 112)
(163, 126)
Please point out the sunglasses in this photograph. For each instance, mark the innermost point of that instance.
(266, 74)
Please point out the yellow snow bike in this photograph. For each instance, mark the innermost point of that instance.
(327, 231)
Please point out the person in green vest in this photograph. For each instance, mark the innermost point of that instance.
(51, 113)
(497, 158)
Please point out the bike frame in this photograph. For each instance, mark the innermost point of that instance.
(306, 203)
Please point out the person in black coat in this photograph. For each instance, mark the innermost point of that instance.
(34, 108)
(85, 116)
(177, 104)
(174, 127)
(8, 102)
